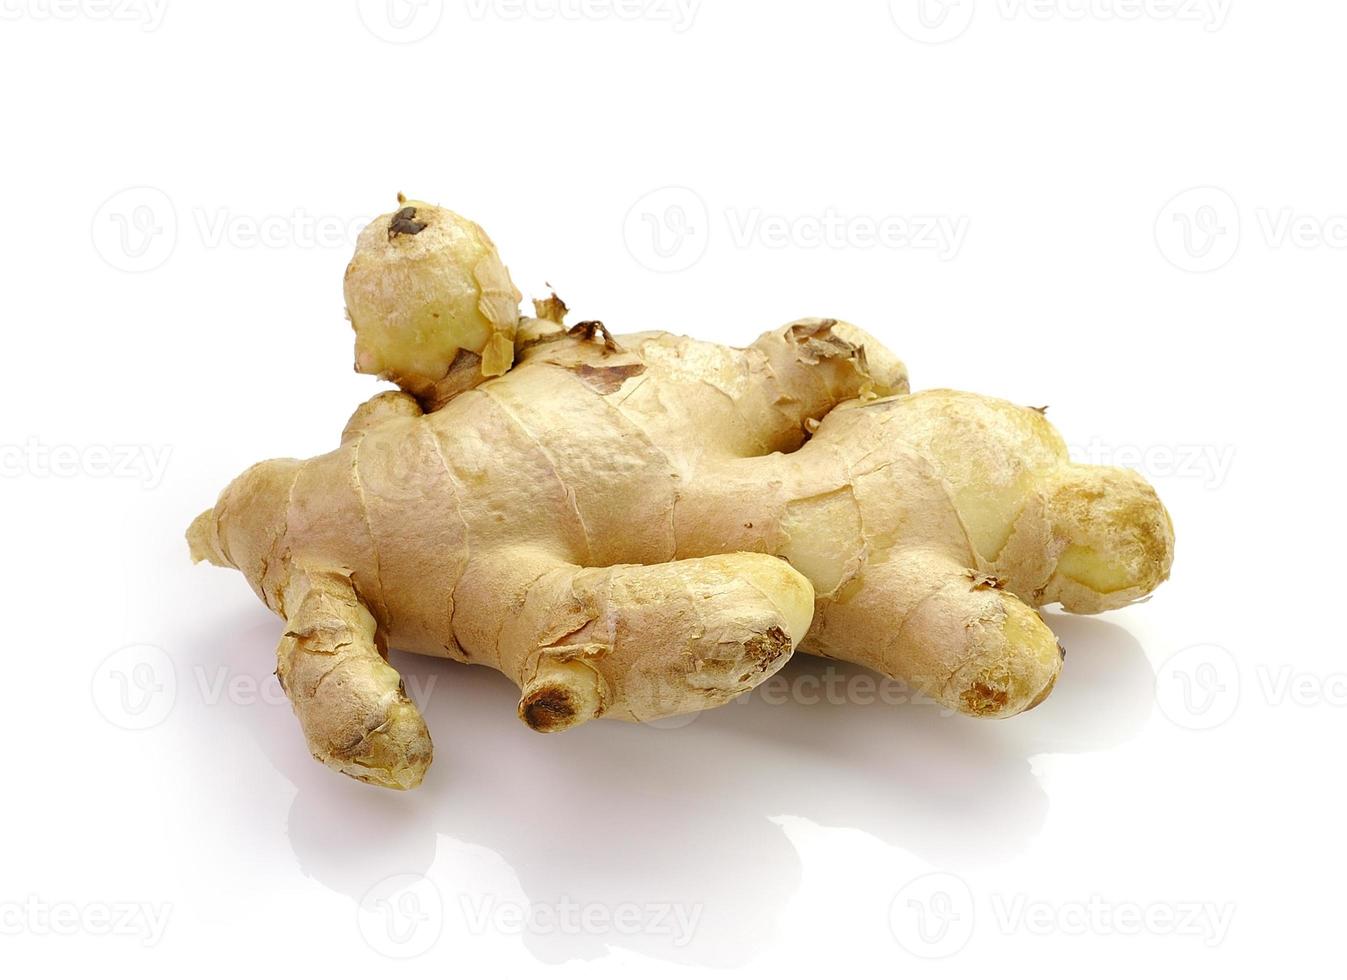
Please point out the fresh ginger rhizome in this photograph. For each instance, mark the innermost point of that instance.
(643, 525)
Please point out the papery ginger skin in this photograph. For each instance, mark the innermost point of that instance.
(643, 525)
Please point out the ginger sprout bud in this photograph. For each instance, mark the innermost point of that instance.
(426, 293)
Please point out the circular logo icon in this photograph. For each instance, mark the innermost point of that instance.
(135, 687)
(668, 230)
(1198, 687)
(658, 689)
(1199, 230)
(932, 21)
(932, 916)
(673, 722)
(136, 230)
(400, 472)
(400, 21)
(402, 916)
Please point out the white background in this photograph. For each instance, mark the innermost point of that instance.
(1133, 214)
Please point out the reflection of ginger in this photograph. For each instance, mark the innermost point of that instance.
(648, 525)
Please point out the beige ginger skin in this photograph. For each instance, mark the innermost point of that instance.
(647, 525)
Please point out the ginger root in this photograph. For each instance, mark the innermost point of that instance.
(645, 525)
(433, 307)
